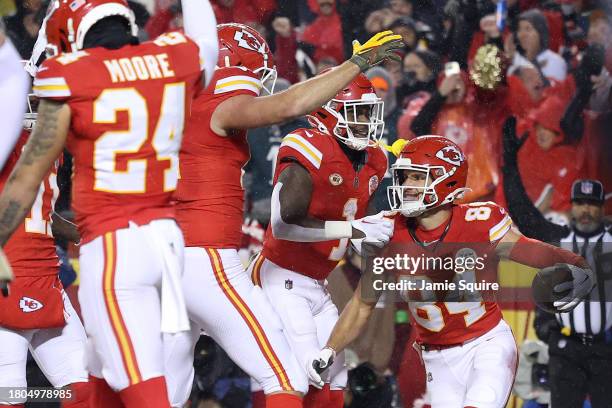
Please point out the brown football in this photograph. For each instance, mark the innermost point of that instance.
(544, 282)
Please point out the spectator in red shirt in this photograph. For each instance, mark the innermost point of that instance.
(285, 49)
(325, 32)
(547, 164)
(455, 111)
(243, 11)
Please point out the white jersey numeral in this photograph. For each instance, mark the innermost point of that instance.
(36, 223)
(348, 212)
(428, 313)
(166, 139)
(271, 157)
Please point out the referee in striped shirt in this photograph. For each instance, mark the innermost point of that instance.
(580, 342)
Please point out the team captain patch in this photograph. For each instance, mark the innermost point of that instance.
(335, 179)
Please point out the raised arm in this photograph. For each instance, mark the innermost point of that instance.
(201, 26)
(526, 216)
(14, 89)
(304, 97)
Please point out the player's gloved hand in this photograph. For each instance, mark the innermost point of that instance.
(318, 364)
(581, 285)
(6, 274)
(374, 229)
(381, 46)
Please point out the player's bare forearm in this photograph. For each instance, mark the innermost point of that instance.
(43, 147)
(304, 97)
(289, 213)
(298, 100)
(351, 322)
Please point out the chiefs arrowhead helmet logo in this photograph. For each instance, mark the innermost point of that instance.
(249, 41)
(450, 154)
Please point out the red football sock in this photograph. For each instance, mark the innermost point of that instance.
(81, 394)
(258, 399)
(102, 395)
(336, 399)
(283, 400)
(317, 398)
(151, 393)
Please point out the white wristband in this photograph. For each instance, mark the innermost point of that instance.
(338, 229)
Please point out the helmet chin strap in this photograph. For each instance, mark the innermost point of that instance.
(457, 194)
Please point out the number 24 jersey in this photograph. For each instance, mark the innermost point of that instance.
(128, 108)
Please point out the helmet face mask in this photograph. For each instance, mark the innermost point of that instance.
(242, 46)
(410, 197)
(360, 122)
(268, 78)
(355, 115)
(430, 172)
(29, 118)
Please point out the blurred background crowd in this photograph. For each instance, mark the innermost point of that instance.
(467, 66)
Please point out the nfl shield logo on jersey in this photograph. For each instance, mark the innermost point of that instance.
(288, 284)
(29, 305)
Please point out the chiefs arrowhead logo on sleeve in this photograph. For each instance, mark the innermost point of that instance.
(29, 305)
(450, 154)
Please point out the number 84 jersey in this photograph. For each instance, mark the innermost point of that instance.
(128, 107)
(452, 300)
(339, 192)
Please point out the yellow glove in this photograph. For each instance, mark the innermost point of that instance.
(381, 46)
(6, 274)
(378, 39)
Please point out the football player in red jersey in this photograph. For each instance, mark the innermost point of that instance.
(220, 297)
(37, 313)
(13, 87)
(125, 105)
(323, 183)
(468, 349)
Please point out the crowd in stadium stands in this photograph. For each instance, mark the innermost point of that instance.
(549, 64)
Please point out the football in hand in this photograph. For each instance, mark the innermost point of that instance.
(543, 286)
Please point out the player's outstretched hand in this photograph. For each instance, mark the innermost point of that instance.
(374, 229)
(381, 46)
(577, 288)
(318, 364)
(6, 274)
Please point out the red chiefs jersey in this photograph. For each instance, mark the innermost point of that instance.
(128, 108)
(31, 248)
(338, 193)
(473, 229)
(210, 197)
